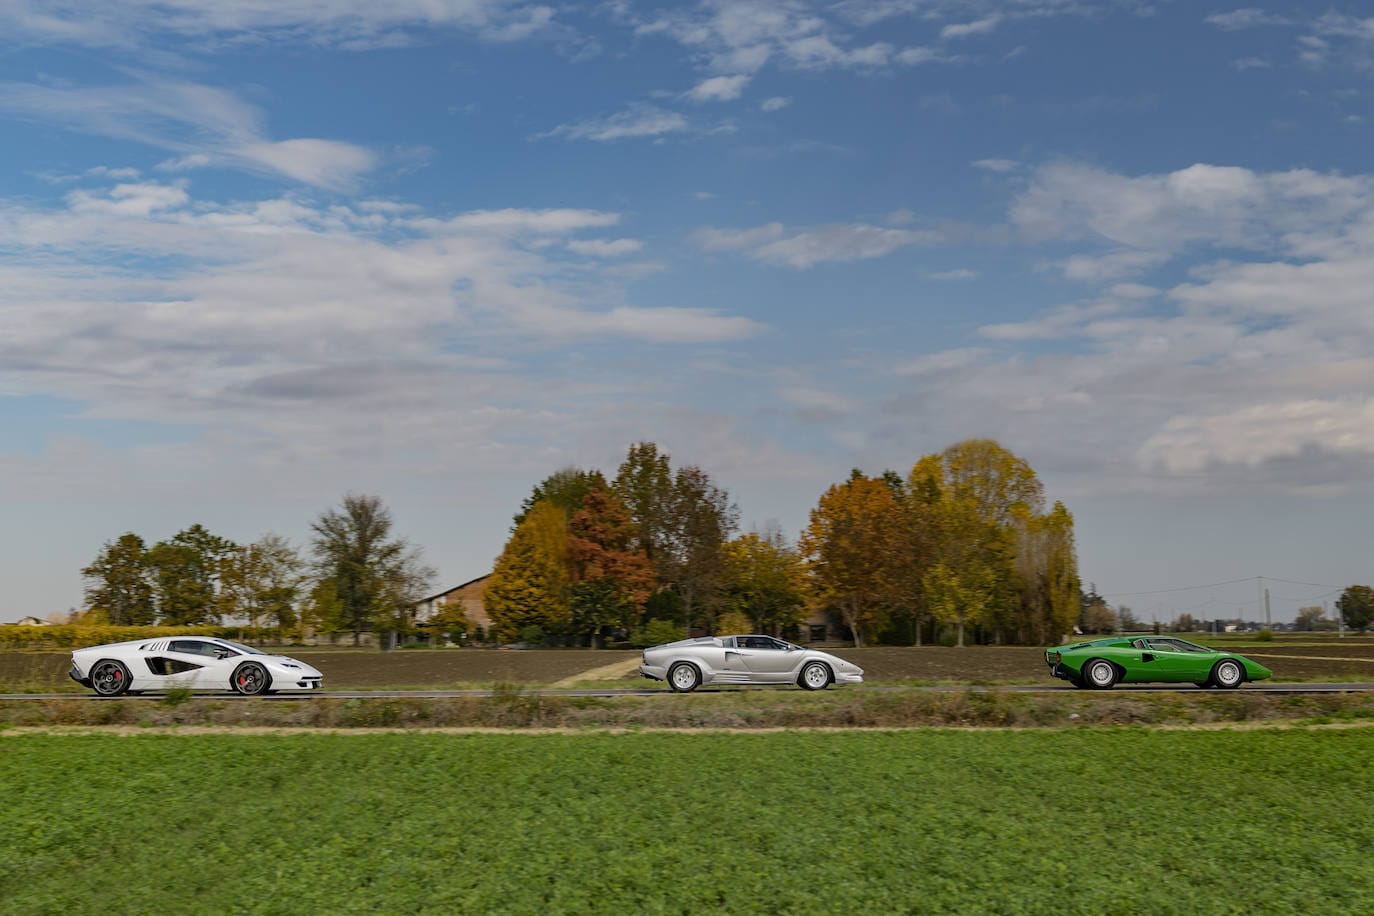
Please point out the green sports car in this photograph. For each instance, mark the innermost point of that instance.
(1102, 663)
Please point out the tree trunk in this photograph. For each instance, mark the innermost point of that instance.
(961, 634)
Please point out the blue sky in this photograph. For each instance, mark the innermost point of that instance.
(257, 255)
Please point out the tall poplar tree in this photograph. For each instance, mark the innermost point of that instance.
(530, 585)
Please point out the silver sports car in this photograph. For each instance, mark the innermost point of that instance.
(689, 663)
(194, 662)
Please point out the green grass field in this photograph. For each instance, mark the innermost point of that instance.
(1088, 820)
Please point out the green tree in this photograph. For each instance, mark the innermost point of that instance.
(529, 586)
(187, 571)
(565, 488)
(851, 547)
(262, 582)
(377, 578)
(702, 519)
(1356, 606)
(767, 581)
(117, 583)
(960, 597)
(322, 611)
(644, 483)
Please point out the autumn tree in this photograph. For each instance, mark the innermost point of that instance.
(1356, 606)
(767, 581)
(851, 548)
(529, 586)
(611, 576)
(377, 578)
(959, 596)
(117, 585)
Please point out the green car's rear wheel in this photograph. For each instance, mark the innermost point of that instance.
(1228, 674)
(1100, 674)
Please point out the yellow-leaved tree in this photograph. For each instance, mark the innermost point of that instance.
(852, 551)
(528, 589)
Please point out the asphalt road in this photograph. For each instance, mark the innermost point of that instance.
(1364, 687)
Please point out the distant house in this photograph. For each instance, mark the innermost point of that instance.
(469, 595)
(30, 622)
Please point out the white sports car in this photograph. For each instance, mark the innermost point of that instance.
(689, 663)
(195, 662)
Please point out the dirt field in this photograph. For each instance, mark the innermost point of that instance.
(353, 669)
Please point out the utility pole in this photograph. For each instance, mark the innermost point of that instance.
(1266, 608)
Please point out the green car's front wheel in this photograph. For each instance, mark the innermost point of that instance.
(1228, 674)
(1100, 674)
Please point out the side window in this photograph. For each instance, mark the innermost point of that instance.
(193, 646)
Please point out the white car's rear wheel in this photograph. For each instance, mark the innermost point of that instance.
(109, 678)
(815, 676)
(1228, 674)
(684, 678)
(251, 679)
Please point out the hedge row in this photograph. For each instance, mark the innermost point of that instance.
(67, 636)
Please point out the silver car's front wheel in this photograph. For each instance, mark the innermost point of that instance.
(815, 676)
(1228, 674)
(109, 678)
(684, 678)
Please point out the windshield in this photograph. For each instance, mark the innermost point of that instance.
(240, 647)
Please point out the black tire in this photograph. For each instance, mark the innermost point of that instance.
(1228, 674)
(1100, 674)
(815, 676)
(109, 677)
(684, 677)
(251, 679)
(1078, 683)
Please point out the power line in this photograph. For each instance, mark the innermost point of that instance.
(1193, 588)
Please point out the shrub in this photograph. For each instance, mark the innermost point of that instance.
(1264, 636)
(71, 636)
(656, 633)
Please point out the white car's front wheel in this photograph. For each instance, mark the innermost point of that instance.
(684, 678)
(815, 676)
(251, 679)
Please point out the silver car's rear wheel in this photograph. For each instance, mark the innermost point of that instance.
(815, 676)
(1100, 674)
(1228, 674)
(251, 679)
(109, 678)
(684, 678)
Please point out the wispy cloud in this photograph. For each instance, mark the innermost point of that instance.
(718, 89)
(968, 29)
(641, 120)
(204, 125)
(803, 248)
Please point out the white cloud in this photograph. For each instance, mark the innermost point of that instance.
(1246, 18)
(203, 124)
(1250, 63)
(1261, 432)
(967, 29)
(605, 248)
(960, 273)
(805, 248)
(718, 89)
(776, 103)
(638, 121)
(347, 24)
(944, 361)
(1001, 166)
